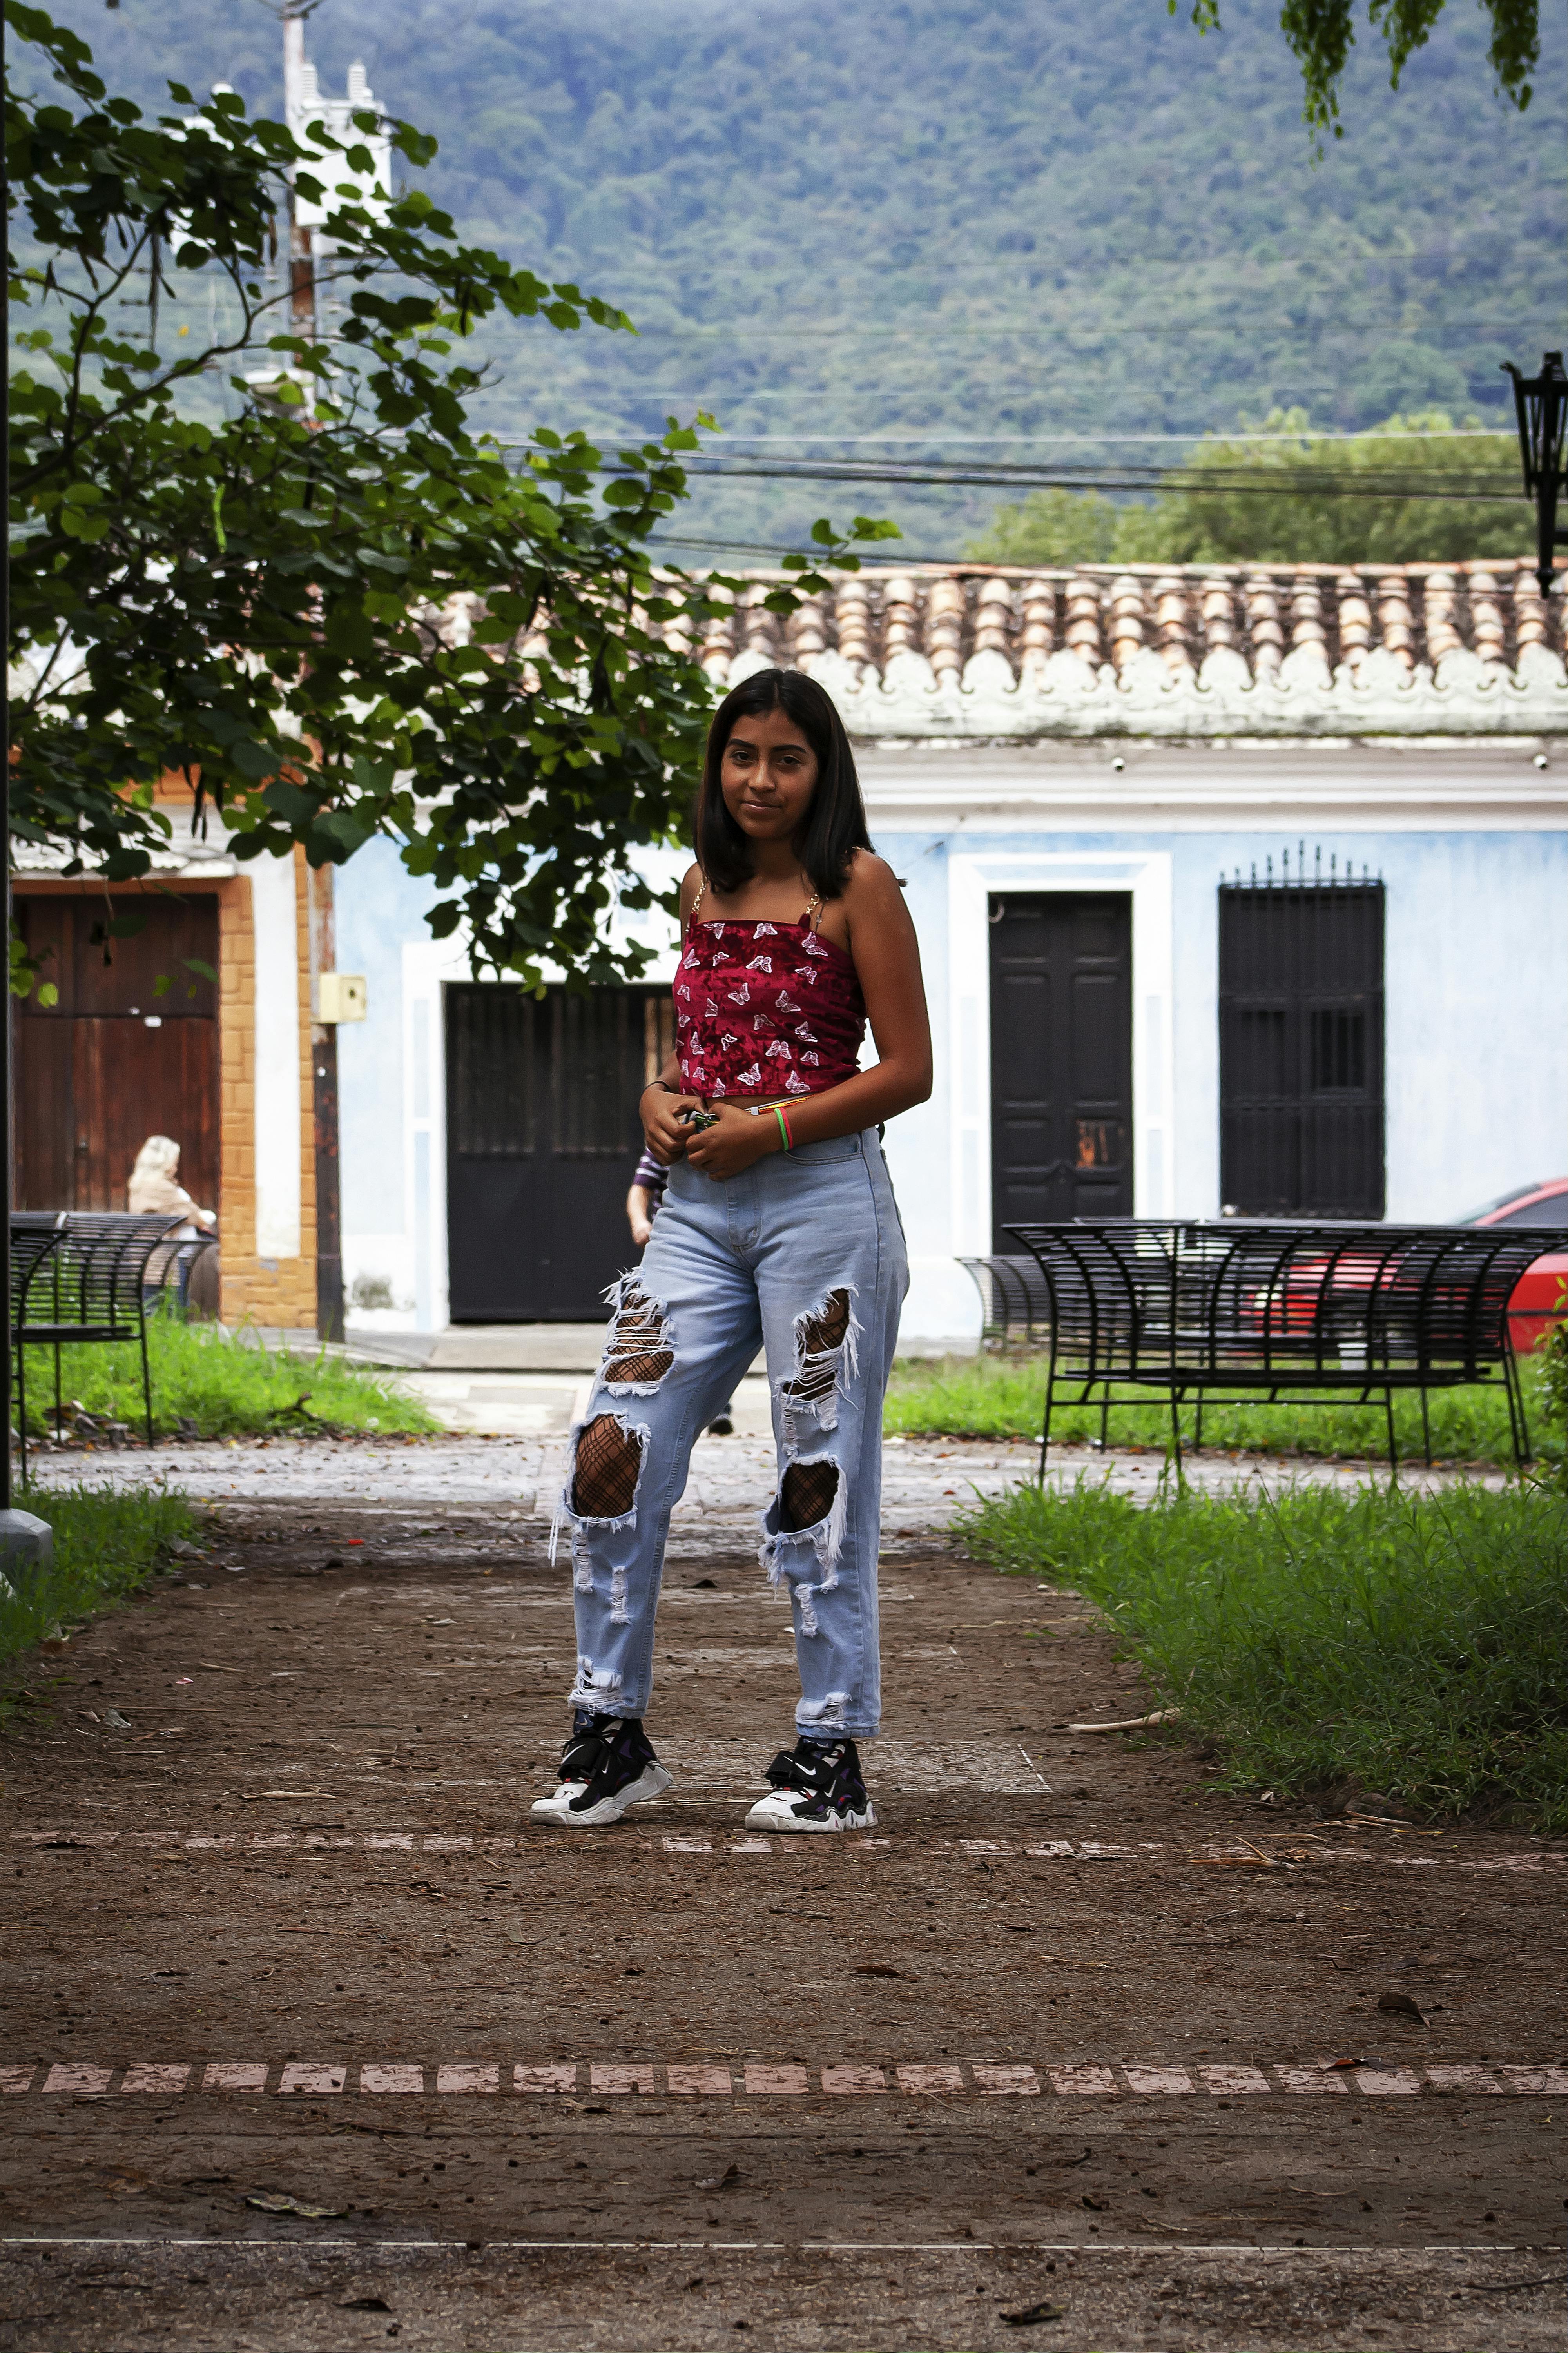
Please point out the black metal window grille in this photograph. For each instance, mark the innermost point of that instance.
(1300, 1042)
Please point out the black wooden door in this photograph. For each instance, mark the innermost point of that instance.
(1300, 1048)
(1061, 1058)
(542, 1138)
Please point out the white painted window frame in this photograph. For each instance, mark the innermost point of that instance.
(973, 877)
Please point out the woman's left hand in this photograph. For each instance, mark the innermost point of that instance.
(738, 1139)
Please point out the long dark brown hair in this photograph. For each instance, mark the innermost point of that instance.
(836, 821)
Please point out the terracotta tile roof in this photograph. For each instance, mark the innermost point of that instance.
(1165, 648)
(1323, 614)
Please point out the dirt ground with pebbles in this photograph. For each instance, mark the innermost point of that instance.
(313, 2038)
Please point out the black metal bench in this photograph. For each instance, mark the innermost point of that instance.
(1239, 1311)
(80, 1276)
(1015, 1300)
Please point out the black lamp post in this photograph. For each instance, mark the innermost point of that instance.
(1541, 402)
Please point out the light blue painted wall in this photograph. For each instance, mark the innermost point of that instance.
(1477, 1038)
(917, 1143)
(378, 906)
(1477, 986)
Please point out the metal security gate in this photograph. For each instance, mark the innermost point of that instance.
(1300, 1047)
(1061, 1058)
(542, 1138)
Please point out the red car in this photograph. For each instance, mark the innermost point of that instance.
(1538, 1297)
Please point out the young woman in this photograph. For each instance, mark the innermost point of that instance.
(779, 1227)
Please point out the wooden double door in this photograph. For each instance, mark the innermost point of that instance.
(130, 1049)
(1062, 1058)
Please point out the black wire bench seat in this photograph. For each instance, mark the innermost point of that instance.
(1235, 1311)
(81, 1276)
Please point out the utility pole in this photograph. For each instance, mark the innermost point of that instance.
(299, 103)
(324, 1103)
(297, 94)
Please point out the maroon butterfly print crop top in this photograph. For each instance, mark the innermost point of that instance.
(765, 1009)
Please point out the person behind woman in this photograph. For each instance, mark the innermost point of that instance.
(645, 1199)
(779, 1227)
(154, 1190)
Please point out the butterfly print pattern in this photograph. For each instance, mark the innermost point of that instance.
(730, 1001)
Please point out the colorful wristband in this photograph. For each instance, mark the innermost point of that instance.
(783, 1118)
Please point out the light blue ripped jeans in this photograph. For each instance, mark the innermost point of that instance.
(804, 1254)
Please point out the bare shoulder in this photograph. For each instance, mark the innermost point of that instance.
(871, 884)
(872, 893)
(690, 883)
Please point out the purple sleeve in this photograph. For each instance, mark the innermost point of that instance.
(650, 1176)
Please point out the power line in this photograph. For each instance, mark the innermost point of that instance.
(1119, 440)
(1302, 441)
(932, 329)
(1207, 481)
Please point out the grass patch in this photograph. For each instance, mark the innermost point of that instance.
(1412, 1644)
(108, 1542)
(207, 1382)
(1004, 1397)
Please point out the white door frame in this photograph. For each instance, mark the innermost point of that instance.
(972, 877)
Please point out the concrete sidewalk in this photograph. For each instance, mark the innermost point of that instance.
(926, 1483)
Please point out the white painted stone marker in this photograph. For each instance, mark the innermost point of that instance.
(1228, 2080)
(235, 2076)
(301, 2076)
(390, 2075)
(1084, 2079)
(1003, 2081)
(930, 2079)
(700, 2081)
(560, 2077)
(154, 2077)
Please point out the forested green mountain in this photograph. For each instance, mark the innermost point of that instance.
(960, 228)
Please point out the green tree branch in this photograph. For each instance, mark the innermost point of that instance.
(1320, 33)
(342, 613)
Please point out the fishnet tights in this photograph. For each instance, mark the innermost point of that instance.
(806, 1495)
(822, 1335)
(605, 1482)
(629, 1356)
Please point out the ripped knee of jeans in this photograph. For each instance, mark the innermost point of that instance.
(805, 1494)
(640, 1347)
(599, 1488)
(606, 1468)
(825, 1356)
(803, 1534)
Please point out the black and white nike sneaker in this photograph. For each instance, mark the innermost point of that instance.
(606, 1765)
(816, 1786)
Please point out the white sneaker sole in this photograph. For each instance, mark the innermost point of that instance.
(776, 1814)
(650, 1783)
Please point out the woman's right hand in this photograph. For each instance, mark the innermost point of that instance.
(662, 1123)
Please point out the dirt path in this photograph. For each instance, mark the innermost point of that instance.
(1053, 2037)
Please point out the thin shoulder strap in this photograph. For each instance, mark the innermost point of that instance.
(701, 887)
(813, 916)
